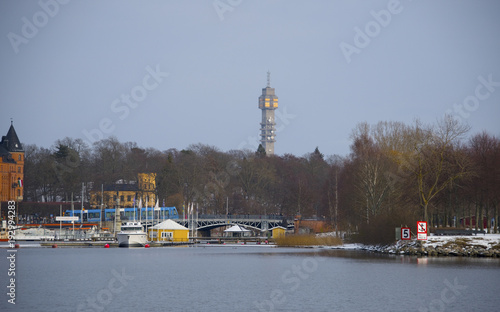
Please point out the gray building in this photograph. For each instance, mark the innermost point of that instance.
(268, 102)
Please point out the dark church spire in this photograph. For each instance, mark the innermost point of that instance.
(11, 142)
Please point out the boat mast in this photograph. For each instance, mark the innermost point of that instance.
(147, 216)
(73, 214)
(100, 214)
(82, 208)
(134, 208)
(140, 209)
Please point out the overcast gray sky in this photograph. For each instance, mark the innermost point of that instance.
(167, 74)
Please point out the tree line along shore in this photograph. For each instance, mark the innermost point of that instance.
(394, 175)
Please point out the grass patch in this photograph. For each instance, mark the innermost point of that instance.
(496, 247)
(307, 240)
(460, 242)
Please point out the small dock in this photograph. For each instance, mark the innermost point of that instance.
(169, 244)
(232, 240)
(101, 244)
(78, 243)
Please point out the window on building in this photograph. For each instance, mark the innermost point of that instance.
(167, 235)
(129, 198)
(18, 169)
(114, 198)
(122, 199)
(19, 157)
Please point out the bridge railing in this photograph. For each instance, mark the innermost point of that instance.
(239, 217)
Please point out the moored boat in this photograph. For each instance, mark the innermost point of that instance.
(131, 235)
(34, 234)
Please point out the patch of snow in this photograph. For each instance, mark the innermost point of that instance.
(479, 240)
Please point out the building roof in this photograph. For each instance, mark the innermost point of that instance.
(169, 225)
(237, 228)
(3, 151)
(11, 142)
(277, 227)
(121, 188)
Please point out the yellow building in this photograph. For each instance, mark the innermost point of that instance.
(124, 194)
(11, 167)
(168, 231)
(278, 231)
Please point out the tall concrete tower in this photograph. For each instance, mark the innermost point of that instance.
(268, 102)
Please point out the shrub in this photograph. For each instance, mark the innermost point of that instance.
(307, 240)
(381, 229)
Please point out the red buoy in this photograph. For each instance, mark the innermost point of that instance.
(106, 246)
(146, 246)
(54, 246)
(17, 246)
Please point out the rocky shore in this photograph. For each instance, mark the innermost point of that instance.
(459, 246)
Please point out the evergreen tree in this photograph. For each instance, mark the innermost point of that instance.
(261, 152)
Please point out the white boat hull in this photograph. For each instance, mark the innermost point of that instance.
(34, 234)
(132, 239)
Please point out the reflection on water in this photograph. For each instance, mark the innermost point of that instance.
(360, 255)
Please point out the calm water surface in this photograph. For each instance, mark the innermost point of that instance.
(246, 278)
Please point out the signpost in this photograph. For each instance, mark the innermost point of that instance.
(422, 230)
(65, 218)
(405, 233)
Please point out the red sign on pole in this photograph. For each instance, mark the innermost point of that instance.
(405, 233)
(422, 230)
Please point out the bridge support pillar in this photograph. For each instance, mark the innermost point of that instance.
(264, 226)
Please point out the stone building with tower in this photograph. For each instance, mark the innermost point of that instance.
(268, 102)
(11, 166)
(126, 194)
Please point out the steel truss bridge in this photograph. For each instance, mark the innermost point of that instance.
(260, 223)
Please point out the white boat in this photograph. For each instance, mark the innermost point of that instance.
(34, 234)
(132, 235)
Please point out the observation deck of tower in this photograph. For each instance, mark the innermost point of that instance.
(268, 102)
